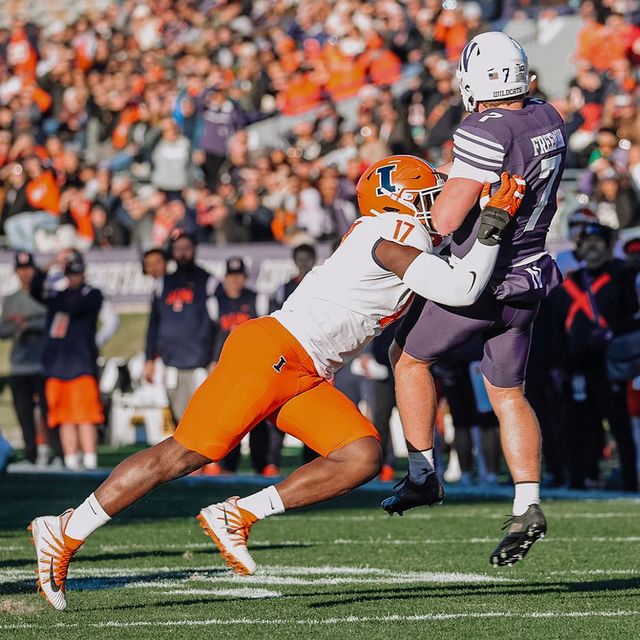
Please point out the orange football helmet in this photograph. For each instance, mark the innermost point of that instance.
(399, 184)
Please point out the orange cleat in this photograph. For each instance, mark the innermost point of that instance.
(228, 525)
(54, 551)
(387, 473)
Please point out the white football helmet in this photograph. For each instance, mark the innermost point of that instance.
(492, 66)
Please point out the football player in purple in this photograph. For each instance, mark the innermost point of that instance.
(505, 131)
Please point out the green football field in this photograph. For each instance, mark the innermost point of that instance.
(345, 570)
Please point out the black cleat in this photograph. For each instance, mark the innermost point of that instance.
(408, 495)
(523, 531)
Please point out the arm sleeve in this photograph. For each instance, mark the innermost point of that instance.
(432, 278)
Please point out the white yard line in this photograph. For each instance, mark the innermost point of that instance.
(333, 575)
(292, 575)
(251, 594)
(314, 579)
(426, 617)
(596, 572)
(111, 548)
(442, 514)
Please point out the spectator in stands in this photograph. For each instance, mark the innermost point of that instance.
(253, 216)
(617, 205)
(70, 359)
(235, 303)
(171, 159)
(107, 231)
(221, 118)
(328, 217)
(570, 259)
(181, 329)
(42, 207)
(154, 263)
(595, 304)
(304, 258)
(14, 181)
(113, 133)
(24, 321)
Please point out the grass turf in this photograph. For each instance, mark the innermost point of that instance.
(342, 570)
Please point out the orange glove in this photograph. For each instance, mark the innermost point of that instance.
(499, 209)
(508, 196)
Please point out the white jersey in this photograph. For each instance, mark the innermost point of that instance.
(341, 305)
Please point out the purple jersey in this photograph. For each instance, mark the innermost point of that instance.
(529, 142)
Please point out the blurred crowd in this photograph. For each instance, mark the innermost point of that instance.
(130, 121)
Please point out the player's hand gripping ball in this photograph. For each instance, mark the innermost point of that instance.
(508, 196)
(498, 209)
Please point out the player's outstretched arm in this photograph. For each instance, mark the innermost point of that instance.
(459, 286)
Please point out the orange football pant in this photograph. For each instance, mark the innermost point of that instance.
(264, 372)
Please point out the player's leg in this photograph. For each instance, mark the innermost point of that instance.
(435, 331)
(237, 394)
(58, 538)
(519, 434)
(140, 474)
(348, 444)
(503, 367)
(328, 422)
(415, 391)
(416, 400)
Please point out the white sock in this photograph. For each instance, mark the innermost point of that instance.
(420, 465)
(88, 517)
(72, 461)
(90, 461)
(527, 493)
(264, 503)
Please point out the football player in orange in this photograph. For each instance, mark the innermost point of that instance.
(278, 367)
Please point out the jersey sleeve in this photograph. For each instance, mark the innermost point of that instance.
(478, 153)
